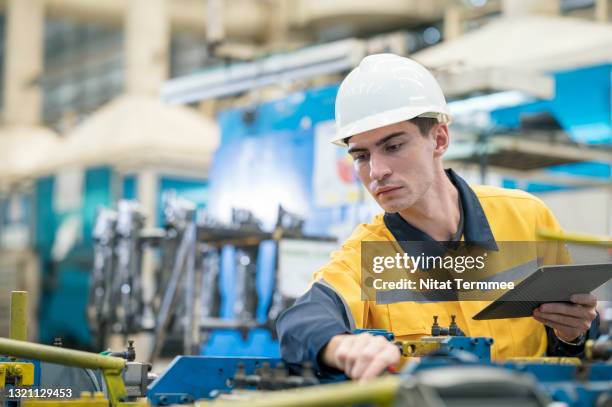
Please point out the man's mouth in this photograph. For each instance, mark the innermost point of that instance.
(385, 190)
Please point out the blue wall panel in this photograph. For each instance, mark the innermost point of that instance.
(65, 282)
(265, 159)
(581, 105)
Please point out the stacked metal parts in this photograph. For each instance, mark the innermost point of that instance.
(115, 298)
(188, 294)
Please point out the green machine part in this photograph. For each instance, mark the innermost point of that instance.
(111, 366)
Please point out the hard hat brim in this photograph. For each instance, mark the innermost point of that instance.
(376, 121)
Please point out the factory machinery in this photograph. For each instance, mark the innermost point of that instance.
(186, 302)
(445, 368)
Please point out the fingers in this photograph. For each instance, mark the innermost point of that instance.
(376, 355)
(350, 350)
(344, 356)
(588, 300)
(563, 331)
(388, 357)
(559, 322)
(359, 354)
(568, 320)
(586, 312)
(364, 354)
(581, 324)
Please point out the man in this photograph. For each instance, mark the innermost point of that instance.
(393, 117)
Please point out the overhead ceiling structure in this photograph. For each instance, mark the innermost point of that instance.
(525, 158)
(137, 130)
(360, 15)
(23, 149)
(515, 53)
(184, 15)
(251, 19)
(234, 79)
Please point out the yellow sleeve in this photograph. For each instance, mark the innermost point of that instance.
(342, 274)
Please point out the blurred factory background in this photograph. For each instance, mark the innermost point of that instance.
(164, 163)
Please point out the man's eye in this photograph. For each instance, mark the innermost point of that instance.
(359, 157)
(393, 147)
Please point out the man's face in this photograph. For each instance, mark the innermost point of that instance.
(395, 163)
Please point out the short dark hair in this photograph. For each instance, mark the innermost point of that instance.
(423, 123)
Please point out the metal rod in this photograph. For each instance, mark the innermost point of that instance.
(207, 323)
(19, 316)
(575, 238)
(170, 294)
(379, 391)
(53, 354)
(189, 345)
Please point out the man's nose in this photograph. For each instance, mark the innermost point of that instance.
(379, 168)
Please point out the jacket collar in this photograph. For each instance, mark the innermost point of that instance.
(476, 229)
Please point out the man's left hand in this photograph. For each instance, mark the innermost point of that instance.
(568, 320)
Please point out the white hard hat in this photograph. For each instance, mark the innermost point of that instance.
(386, 89)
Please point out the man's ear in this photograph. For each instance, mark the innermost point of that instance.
(441, 139)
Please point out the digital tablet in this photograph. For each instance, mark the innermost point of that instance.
(547, 284)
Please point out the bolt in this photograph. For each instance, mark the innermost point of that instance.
(280, 371)
(131, 352)
(307, 370)
(435, 328)
(453, 329)
(265, 369)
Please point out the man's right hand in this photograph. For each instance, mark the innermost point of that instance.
(361, 357)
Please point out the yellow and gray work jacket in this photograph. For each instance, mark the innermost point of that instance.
(333, 305)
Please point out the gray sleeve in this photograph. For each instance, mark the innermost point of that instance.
(306, 327)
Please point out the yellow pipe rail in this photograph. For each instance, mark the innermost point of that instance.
(575, 238)
(111, 366)
(54, 354)
(380, 391)
(19, 316)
